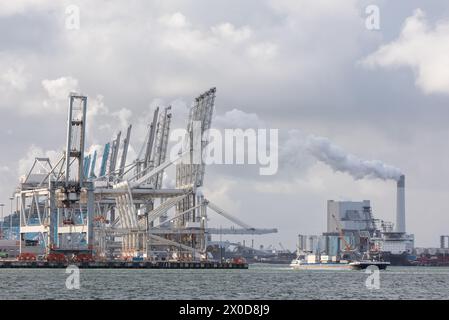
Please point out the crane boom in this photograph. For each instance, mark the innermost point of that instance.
(228, 216)
(341, 234)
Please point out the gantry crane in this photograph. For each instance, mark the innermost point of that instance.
(119, 209)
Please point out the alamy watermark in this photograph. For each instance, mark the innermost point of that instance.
(373, 280)
(235, 146)
(372, 21)
(72, 19)
(73, 280)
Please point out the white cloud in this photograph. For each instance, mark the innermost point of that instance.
(237, 119)
(104, 124)
(236, 46)
(59, 89)
(423, 48)
(263, 51)
(311, 182)
(219, 192)
(98, 120)
(8, 8)
(123, 115)
(314, 9)
(175, 20)
(15, 78)
(96, 108)
(229, 32)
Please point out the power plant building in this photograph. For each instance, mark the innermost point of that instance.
(352, 226)
(349, 216)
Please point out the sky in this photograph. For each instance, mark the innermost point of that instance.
(312, 69)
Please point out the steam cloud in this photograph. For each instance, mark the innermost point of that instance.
(297, 148)
(334, 156)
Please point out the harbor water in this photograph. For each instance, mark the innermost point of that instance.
(258, 282)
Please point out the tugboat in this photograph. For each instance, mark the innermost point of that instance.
(363, 264)
(369, 260)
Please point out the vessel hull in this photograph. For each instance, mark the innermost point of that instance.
(321, 266)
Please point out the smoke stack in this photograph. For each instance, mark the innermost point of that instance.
(400, 205)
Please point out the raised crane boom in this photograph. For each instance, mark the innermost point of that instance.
(192, 174)
(159, 153)
(125, 151)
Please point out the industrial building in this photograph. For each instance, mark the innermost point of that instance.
(433, 256)
(350, 216)
(70, 209)
(351, 227)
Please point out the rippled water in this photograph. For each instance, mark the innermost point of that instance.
(258, 282)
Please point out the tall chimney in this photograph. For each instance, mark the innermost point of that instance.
(400, 205)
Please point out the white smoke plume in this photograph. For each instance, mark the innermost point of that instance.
(300, 150)
(334, 156)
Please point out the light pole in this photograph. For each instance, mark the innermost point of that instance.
(221, 246)
(1, 206)
(10, 220)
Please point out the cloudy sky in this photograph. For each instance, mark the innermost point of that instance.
(310, 68)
